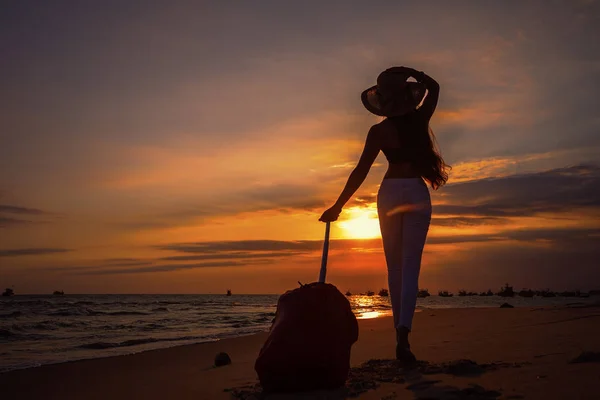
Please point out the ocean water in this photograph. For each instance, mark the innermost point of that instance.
(37, 330)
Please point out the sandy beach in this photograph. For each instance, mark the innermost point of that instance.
(506, 354)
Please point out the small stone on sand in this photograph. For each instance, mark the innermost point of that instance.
(222, 359)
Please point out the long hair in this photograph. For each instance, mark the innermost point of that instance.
(419, 141)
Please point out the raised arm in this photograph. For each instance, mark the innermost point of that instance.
(433, 92)
(433, 88)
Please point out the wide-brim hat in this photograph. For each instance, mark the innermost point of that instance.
(393, 95)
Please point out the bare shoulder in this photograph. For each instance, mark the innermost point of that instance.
(378, 129)
(382, 128)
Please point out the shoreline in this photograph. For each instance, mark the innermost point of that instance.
(543, 341)
(139, 351)
(382, 315)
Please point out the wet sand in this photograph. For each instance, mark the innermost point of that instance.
(489, 353)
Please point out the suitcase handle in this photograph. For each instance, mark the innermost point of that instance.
(323, 271)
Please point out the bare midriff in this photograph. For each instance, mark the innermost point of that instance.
(401, 171)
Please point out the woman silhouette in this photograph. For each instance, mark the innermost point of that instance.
(403, 201)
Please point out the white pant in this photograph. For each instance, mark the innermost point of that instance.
(404, 208)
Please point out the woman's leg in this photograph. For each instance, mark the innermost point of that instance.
(415, 226)
(391, 234)
(390, 224)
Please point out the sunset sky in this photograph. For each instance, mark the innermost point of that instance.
(190, 146)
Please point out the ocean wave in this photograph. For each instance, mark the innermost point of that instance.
(170, 321)
(13, 314)
(204, 303)
(69, 312)
(6, 334)
(36, 302)
(114, 327)
(160, 309)
(211, 312)
(134, 342)
(52, 325)
(241, 324)
(76, 312)
(49, 325)
(254, 305)
(9, 335)
(263, 319)
(124, 313)
(98, 303)
(152, 327)
(266, 314)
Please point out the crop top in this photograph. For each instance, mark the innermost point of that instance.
(405, 152)
(399, 155)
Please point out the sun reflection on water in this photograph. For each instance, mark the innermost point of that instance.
(367, 307)
(369, 315)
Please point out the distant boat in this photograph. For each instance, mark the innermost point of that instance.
(571, 293)
(506, 291)
(488, 293)
(228, 292)
(8, 292)
(444, 293)
(58, 293)
(348, 293)
(370, 293)
(545, 293)
(577, 293)
(423, 293)
(526, 293)
(384, 293)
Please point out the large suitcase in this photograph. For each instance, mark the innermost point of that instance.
(308, 347)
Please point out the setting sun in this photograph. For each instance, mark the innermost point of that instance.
(362, 223)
